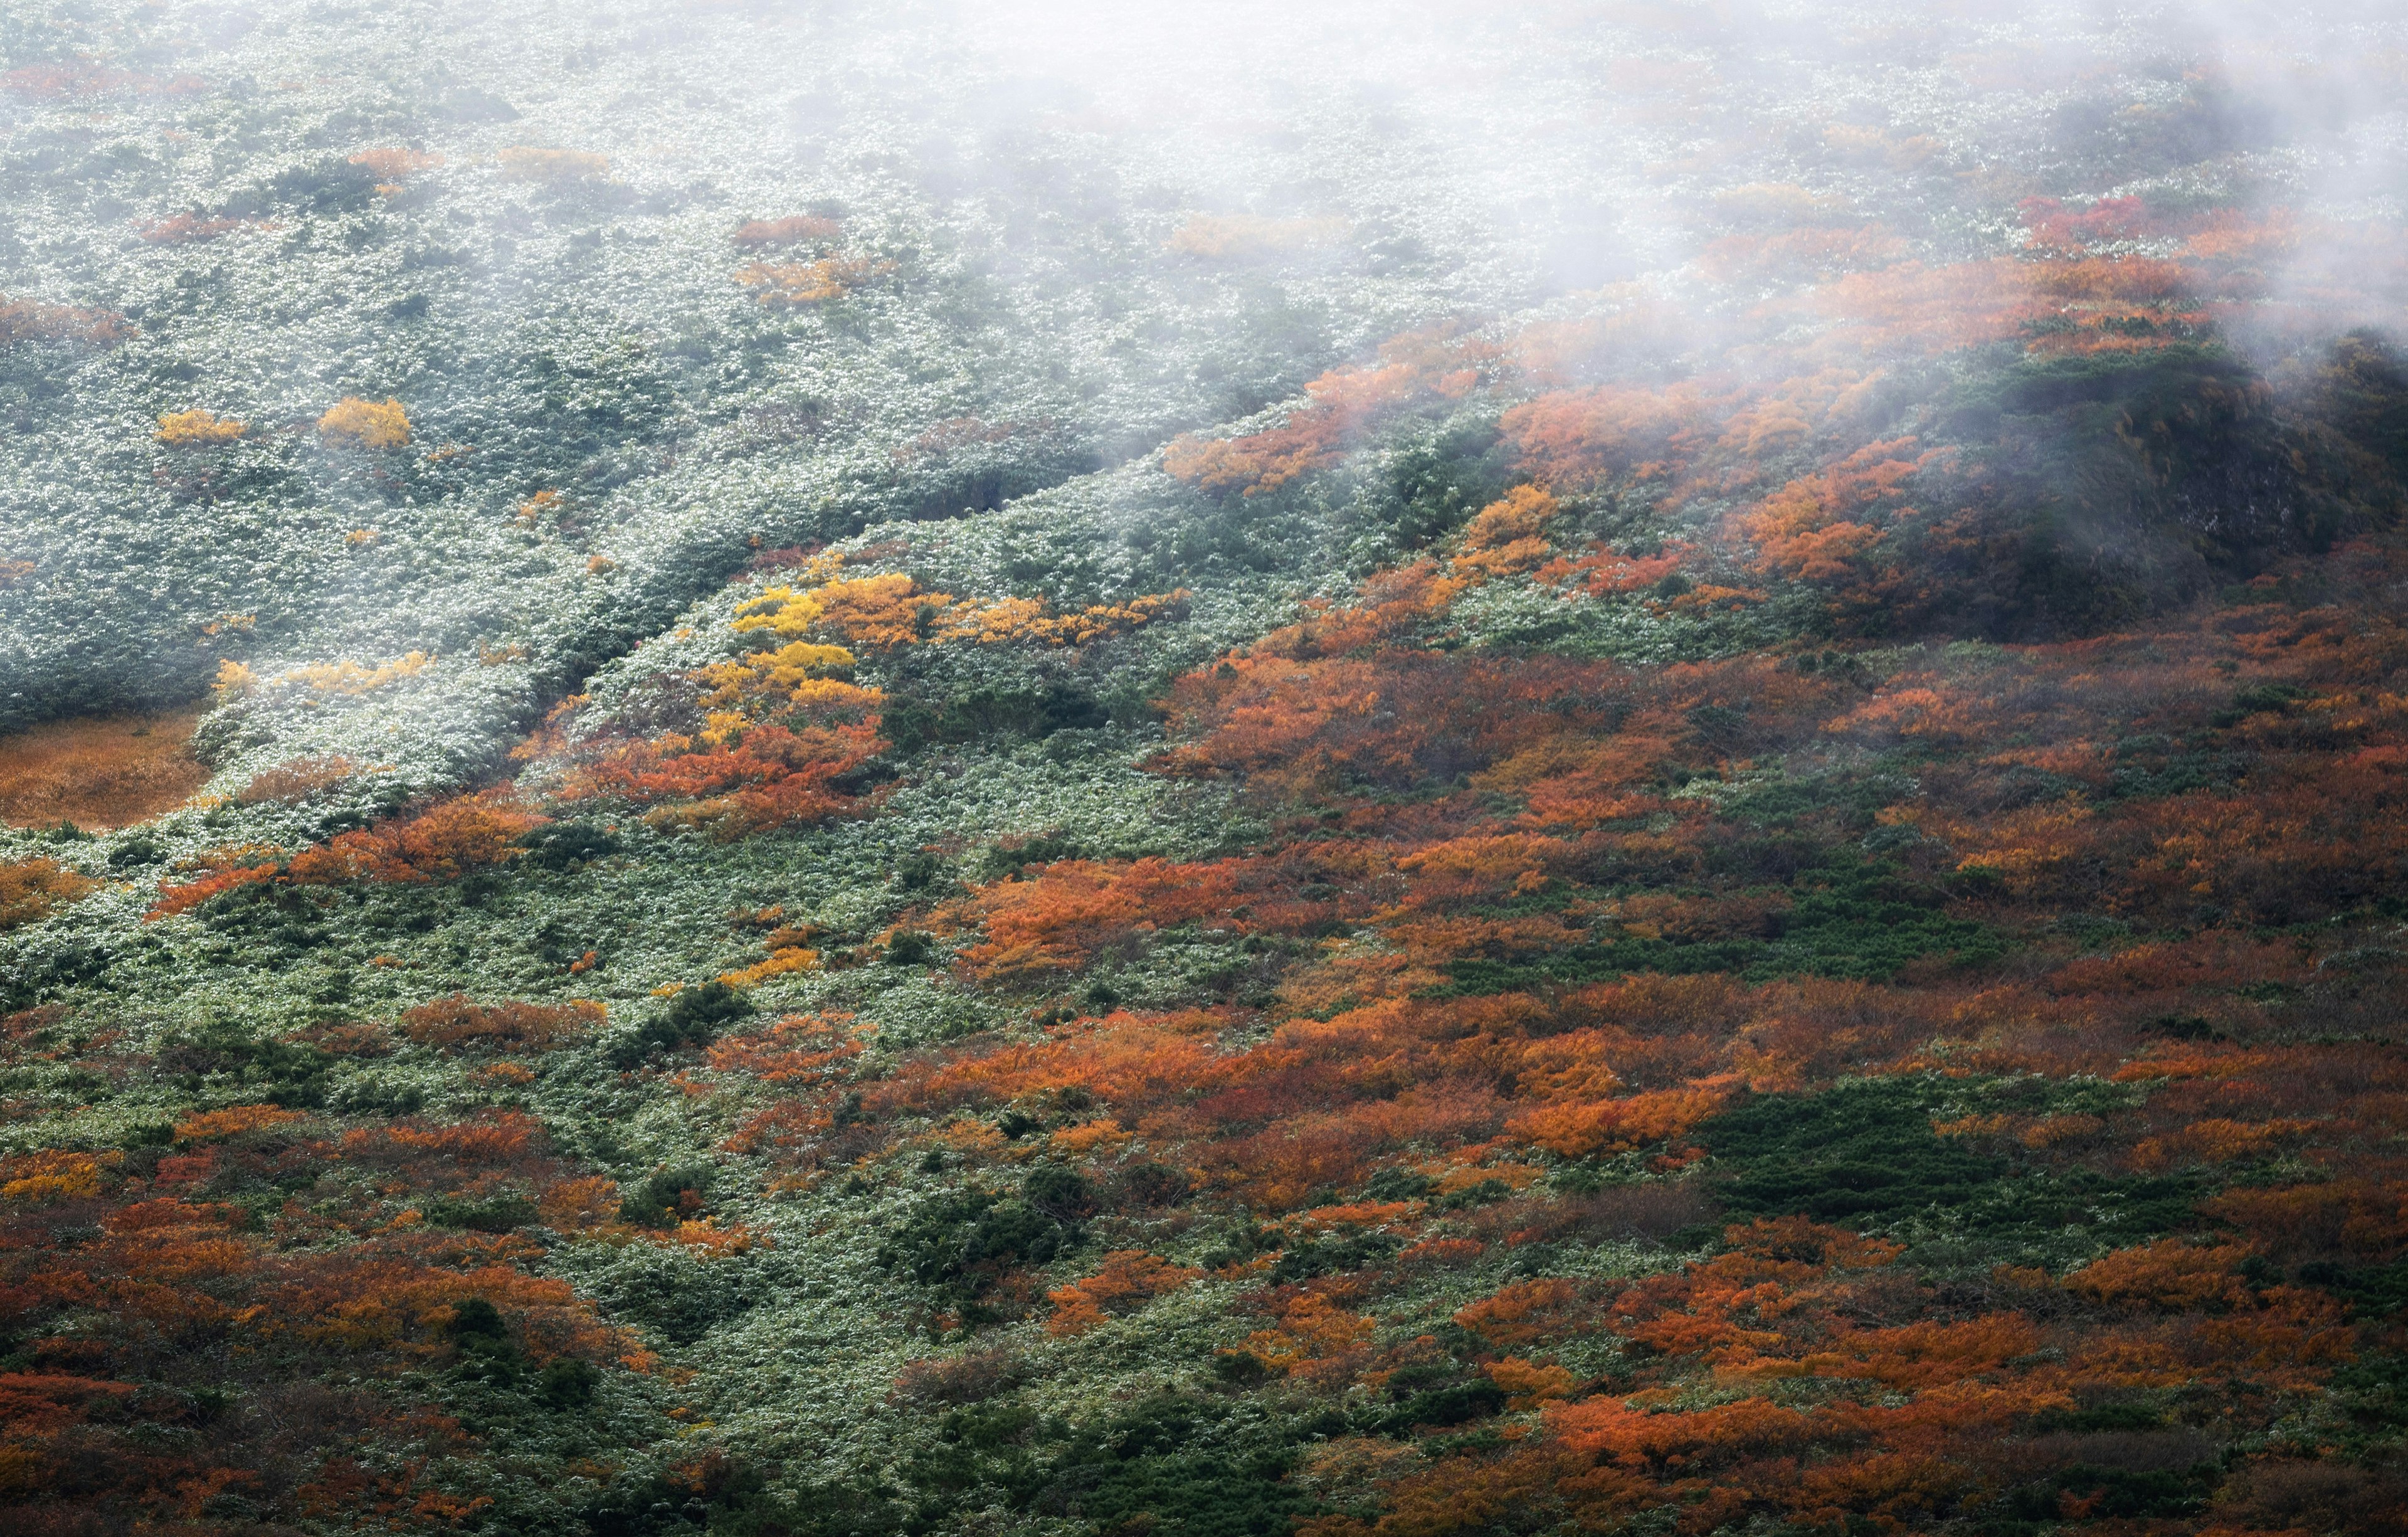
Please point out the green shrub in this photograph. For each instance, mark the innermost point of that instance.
(667, 1196)
(962, 1242)
(693, 1017)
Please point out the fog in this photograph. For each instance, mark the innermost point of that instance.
(1075, 231)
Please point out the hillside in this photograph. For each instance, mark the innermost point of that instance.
(1405, 771)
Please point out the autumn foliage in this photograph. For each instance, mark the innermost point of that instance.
(443, 842)
(1519, 915)
(32, 889)
(166, 1296)
(455, 1024)
(353, 422)
(29, 320)
(1341, 405)
(1815, 948)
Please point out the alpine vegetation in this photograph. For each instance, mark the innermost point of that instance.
(1050, 770)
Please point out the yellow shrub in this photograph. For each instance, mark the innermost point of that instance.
(197, 429)
(790, 668)
(354, 422)
(346, 677)
(55, 1174)
(779, 964)
(892, 609)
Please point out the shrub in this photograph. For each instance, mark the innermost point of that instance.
(352, 423)
(195, 429)
(695, 1013)
(969, 1378)
(444, 843)
(566, 1384)
(1129, 1279)
(208, 1126)
(322, 186)
(692, 1017)
(1865, 1152)
(23, 320)
(962, 1243)
(390, 165)
(1245, 237)
(32, 889)
(184, 227)
(523, 164)
(566, 846)
(455, 1024)
(669, 1197)
(493, 1215)
(795, 230)
(810, 282)
(672, 1289)
(295, 779)
(105, 771)
(1152, 1184)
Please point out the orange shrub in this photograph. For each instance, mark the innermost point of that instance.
(1129, 1279)
(184, 227)
(810, 282)
(1245, 237)
(1519, 1313)
(23, 320)
(1340, 404)
(1575, 1131)
(2173, 1274)
(441, 843)
(1818, 527)
(800, 1049)
(1316, 1337)
(771, 777)
(393, 163)
(1571, 438)
(233, 1121)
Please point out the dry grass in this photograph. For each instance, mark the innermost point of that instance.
(99, 772)
(454, 1024)
(295, 779)
(32, 890)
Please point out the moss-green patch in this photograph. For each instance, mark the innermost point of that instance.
(1863, 1155)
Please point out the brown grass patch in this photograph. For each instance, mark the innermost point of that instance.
(455, 1024)
(102, 772)
(295, 779)
(33, 889)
